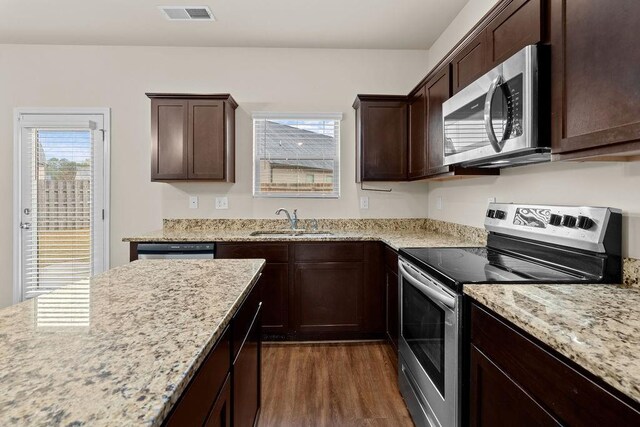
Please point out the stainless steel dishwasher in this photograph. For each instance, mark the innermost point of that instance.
(176, 250)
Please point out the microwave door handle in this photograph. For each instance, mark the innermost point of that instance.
(497, 145)
(425, 289)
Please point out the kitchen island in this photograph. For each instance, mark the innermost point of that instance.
(148, 328)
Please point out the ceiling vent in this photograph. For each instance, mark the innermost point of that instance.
(187, 13)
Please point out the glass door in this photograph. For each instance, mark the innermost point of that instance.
(62, 194)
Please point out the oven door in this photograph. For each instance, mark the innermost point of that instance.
(494, 115)
(429, 348)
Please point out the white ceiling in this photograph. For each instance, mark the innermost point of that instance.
(370, 24)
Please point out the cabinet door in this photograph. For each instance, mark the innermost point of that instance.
(438, 91)
(470, 63)
(274, 294)
(246, 378)
(328, 297)
(169, 129)
(206, 140)
(273, 284)
(417, 136)
(392, 307)
(595, 85)
(519, 25)
(383, 142)
(220, 415)
(498, 401)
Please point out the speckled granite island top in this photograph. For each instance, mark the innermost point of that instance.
(148, 329)
(596, 326)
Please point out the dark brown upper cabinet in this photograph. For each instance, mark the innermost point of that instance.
(381, 138)
(438, 89)
(417, 135)
(193, 137)
(517, 25)
(595, 84)
(520, 24)
(469, 63)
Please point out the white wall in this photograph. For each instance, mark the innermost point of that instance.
(461, 25)
(590, 183)
(259, 79)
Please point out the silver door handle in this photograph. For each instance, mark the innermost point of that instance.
(25, 225)
(497, 145)
(445, 299)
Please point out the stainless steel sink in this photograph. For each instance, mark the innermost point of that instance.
(285, 233)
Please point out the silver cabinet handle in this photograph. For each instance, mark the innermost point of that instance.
(25, 225)
(497, 145)
(445, 299)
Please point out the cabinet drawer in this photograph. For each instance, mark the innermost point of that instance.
(241, 322)
(195, 403)
(562, 390)
(329, 252)
(272, 252)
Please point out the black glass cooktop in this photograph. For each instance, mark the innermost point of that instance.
(456, 266)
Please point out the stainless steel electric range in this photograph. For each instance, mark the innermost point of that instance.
(526, 244)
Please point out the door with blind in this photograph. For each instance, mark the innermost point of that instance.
(61, 202)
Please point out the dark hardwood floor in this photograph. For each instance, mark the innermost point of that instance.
(341, 384)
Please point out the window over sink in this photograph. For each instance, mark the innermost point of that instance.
(296, 155)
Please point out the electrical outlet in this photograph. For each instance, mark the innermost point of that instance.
(364, 202)
(193, 202)
(439, 203)
(491, 200)
(222, 203)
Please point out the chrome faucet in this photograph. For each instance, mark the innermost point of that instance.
(293, 220)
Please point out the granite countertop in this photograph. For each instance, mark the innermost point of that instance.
(148, 327)
(596, 326)
(394, 238)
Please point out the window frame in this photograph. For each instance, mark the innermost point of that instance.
(264, 115)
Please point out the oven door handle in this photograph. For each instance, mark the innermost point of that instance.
(445, 299)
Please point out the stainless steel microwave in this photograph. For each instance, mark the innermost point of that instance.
(493, 122)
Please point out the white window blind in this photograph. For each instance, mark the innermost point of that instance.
(296, 155)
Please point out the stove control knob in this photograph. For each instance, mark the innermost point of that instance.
(569, 221)
(555, 219)
(491, 213)
(500, 214)
(584, 222)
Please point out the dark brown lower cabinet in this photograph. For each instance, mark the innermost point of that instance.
(317, 290)
(274, 294)
(328, 297)
(220, 415)
(194, 406)
(392, 297)
(246, 378)
(225, 390)
(273, 284)
(500, 401)
(517, 380)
